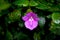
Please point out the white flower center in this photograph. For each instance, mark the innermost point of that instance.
(31, 19)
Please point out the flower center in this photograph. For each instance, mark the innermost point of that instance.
(31, 19)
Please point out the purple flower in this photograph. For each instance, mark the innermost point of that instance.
(31, 20)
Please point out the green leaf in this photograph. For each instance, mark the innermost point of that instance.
(14, 16)
(42, 6)
(21, 36)
(55, 28)
(33, 3)
(9, 36)
(28, 10)
(36, 36)
(4, 5)
(21, 2)
(56, 17)
(54, 8)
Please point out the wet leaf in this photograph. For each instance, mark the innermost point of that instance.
(56, 17)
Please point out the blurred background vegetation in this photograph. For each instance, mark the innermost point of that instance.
(12, 26)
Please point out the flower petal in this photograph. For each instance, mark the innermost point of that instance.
(25, 18)
(31, 24)
(34, 16)
(29, 15)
